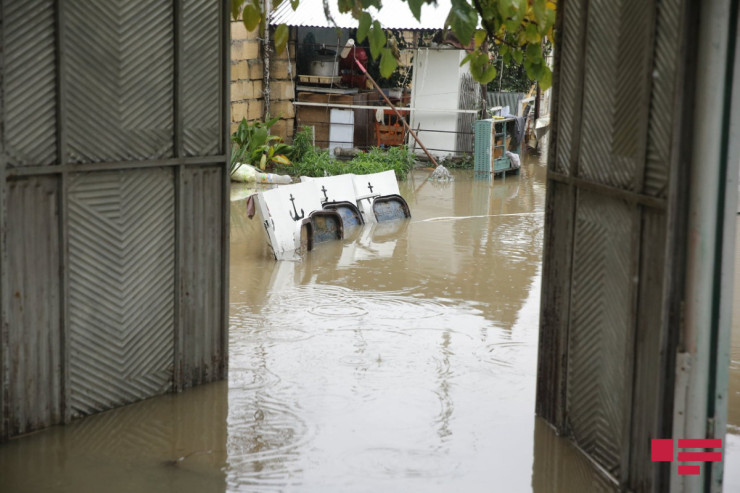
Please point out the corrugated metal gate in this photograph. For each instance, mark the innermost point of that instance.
(621, 182)
(113, 203)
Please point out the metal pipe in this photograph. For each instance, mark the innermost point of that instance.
(403, 120)
(266, 62)
(370, 107)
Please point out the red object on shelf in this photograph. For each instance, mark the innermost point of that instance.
(350, 75)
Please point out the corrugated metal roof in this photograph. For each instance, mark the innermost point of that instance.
(395, 14)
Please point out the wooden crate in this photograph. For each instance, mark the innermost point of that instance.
(390, 135)
(320, 79)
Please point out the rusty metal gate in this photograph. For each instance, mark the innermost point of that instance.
(636, 146)
(113, 204)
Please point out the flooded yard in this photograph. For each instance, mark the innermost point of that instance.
(402, 359)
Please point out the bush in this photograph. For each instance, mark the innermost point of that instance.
(309, 161)
(399, 159)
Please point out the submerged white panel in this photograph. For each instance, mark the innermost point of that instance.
(338, 188)
(282, 212)
(369, 187)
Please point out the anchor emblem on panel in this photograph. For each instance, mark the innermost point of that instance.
(370, 197)
(295, 217)
(326, 197)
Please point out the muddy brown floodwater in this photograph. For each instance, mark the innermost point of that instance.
(400, 360)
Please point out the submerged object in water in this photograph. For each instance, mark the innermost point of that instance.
(299, 216)
(246, 173)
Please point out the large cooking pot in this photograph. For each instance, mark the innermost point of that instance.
(325, 63)
(327, 67)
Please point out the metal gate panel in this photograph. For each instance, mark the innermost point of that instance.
(634, 234)
(29, 83)
(203, 356)
(569, 81)
(201, 115)
(119, 75)
(615, 91)
(94, 108)
(598, 90)
(662, 105)
(600, 326)
(34, 394)
(555, 306)
(646, 422)
(631, 93)
(121, 274)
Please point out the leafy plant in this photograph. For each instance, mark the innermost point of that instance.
(302, 143)
(399, 159)
(320, 163)
(253, 144)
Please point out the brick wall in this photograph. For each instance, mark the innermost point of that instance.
(247, 69)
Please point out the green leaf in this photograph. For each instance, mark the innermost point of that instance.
(281, 38)
(533, 36)
(251, 17)
(535, 69)
(463, 20)
(467, 59)
(550, 20)
(488, 75)
(534, 52)
(236, 7)
(480, 37)
(377, 40)
(415, 6)
(294, 4)
(540, 12)
(259, 138)
(345, 6)
(517, 55)
(505, 7)
(481, 68)
(512, 25)
(362, 29)
(281, 159)
(546, 79)
(388, 63)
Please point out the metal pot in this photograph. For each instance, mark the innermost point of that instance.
(327, 67)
